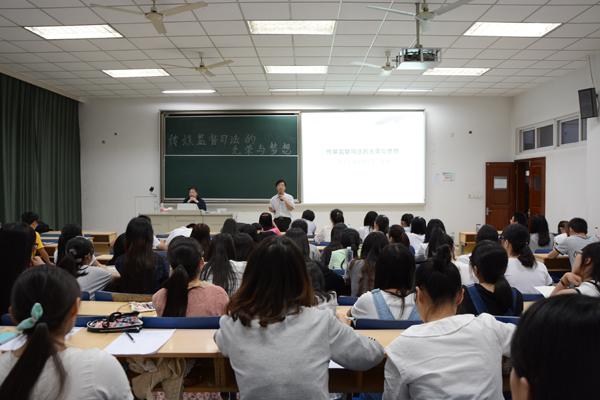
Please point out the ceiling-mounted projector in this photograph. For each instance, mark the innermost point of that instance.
(418, 58)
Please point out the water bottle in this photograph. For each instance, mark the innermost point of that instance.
(162, 207)
(349, 256)
(596, 233)
(155, 206)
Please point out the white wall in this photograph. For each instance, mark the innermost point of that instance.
(128, 164)
(571, 186)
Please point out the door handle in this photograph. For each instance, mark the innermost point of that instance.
(487, 211)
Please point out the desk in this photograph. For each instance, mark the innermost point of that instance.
(560, 263)
(102, 240)
(105, 308)
(466, 240)
(104, 258)
(166, 222)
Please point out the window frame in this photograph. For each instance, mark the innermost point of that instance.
(580, 141)
(556, 134)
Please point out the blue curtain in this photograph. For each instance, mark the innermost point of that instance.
(39, 154)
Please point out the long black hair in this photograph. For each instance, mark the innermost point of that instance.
(56, 291)
(68, 232)
(398, 235)
(438, 239)
(184, 256)
(370, 219)
(118, 249)
(374, 243)
(318, 283)
(138, 266)
(220, 251)
(518, 237)
(491, 261)
(337, 216)
(538, 224)
(591, 252)
(299, 237)
(335, 243)
(16, 245)
(395, 269)
(77, 249)
(243, 246)
(431, 225)
(230, 226)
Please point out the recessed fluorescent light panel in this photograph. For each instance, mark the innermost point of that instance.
(291, 27)
(74, 32)
(296, 90)
(457, 71)
(405, 90)
(510, 29)
(188, 91)
(291, 69)
(135, 73)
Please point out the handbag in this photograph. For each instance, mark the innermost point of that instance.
(116, 322)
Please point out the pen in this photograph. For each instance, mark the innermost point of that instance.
(130, 337)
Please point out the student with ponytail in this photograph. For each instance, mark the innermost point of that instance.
(449, 356)
(541, 238)
(523, 272)
(350, 238)
(184, 294)
(336, 216)
(432, 225)
(493, 294)
(80, 252)
(45, 302)
(397, 234)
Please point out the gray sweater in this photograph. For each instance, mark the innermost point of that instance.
(290, 359)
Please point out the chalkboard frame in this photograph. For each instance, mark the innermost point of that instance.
(166, 113)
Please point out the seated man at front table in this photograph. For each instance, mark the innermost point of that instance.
(193, 192)
(575, 242)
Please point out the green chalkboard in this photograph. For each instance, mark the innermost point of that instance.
(229, 156)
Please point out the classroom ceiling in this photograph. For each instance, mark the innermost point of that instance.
(221, 33)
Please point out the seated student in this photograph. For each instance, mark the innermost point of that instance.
(418, 227)
(421, 251)
(314, 251)
(184, 231)
(244, 245)
(337, 217)
(250, 229)
(230, 226)
(142, 270)
(334, 244)
(193, 198)
(405, 221)
(45, 301)
(585, 275)
(486, 232)
(118, 249)
(572, 320)
(31, 219)
(184, 294)
(77, 262)
(333, 281)
(394, 297)
(368, 225)
(523, 272)
(322, 297)
(201, 232)
(577, 240)
(68, 232)
(449, 356)
(519, 218)
(156, 244)
(361, 271)
(309, 217)
(266, 222)
(221, 268)
(397, 234)
(563, 232)
(381, 224)
(541, 238)
(492, 294)
(272, 314)
(350, 239)
(438, 239)
(16, 241)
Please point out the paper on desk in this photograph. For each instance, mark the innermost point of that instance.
(146, 342)
(545, 290)
(16, 344)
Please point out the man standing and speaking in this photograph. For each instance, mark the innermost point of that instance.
(282, 205)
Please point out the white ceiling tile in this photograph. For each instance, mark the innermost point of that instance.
(76, 67)
(312, 40)
(469, 12)
(556, 13)
(6, 47)
(75, 45)
(5, 22)
(460, 53)
(58, 57)
(576, 65)
(231, 41)
(92, 56)
(342, 60)
(512, 13)
(503, 71)
(27, 17)
(247, 70)
(312, 51)
(441, 28)
(315, 11)
(358, 27)
(23, 58)
(472, 42)
(164, 54)
(187, 42)
(489, 78)
(340, 77)
(131, 30)
(396, 28)
(394, 41)
(254, 84)
(533, 72)
(574, 30)
(107, 64)
(585, 44)
(516, 64)
(148, 64)
(36, 46)
(448, 84)
(61, 74)
(518, 79)
(43, 67)
(549, 64)
(219, 12)
(251, 77)
(438, 41)
(245, 61)
(359, 11)
(266, 11)
(114, 44)
(353, 40)
(482, 64)
(312, 60)
(496, 54)
(238, 52)
(15, 4)
(116, 17)
(278, 61)
(591, 15)
(128, 55)
(560, 72)
(17, 67)
(568, 55)
(351, 52)
(75, 16)
(533, 54)
(513, 43)
(184, 29)
(335, 69)
(453, 63)
(272, 40)
(225, 27)
(275, 51)
(17, 33)
(552, 44)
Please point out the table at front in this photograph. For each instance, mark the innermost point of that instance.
(166, 222)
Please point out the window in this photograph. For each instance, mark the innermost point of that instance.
(528, 140)
(545, 136)
(569, 131)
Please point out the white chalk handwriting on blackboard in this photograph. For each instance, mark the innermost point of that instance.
(233, 145)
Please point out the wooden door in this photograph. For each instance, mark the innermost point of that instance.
(500, 199)
(537, 186)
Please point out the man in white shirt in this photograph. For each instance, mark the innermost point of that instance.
(575, 242)
(282, 205)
